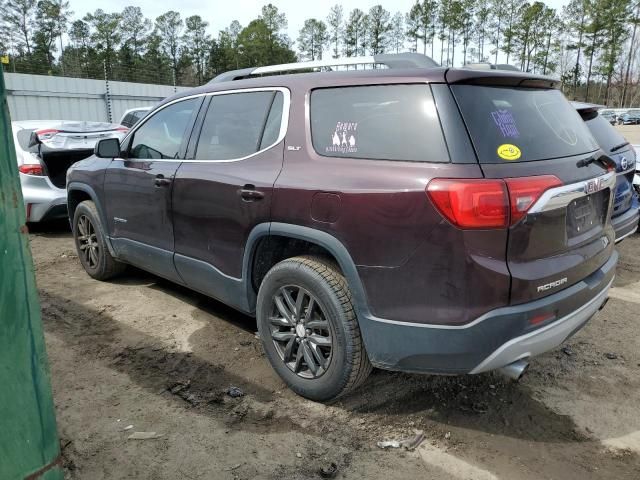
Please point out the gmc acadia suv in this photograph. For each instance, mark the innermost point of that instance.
(412, 218)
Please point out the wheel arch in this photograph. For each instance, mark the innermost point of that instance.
(322, 239)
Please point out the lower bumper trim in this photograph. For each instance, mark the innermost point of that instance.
(543, 339)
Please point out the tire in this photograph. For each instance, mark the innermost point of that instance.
(89, 237)
(331, 319)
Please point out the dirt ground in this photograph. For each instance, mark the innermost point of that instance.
(630, 132)
(141, 351)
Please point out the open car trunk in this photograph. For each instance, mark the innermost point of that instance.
(57, 162)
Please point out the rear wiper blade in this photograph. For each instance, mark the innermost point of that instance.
(618, 147)
(603, 160)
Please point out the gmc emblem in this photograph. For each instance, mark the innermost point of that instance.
(592, 186)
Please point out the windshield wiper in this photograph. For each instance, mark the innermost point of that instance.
(618, 147)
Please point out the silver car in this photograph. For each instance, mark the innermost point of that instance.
(45, 150)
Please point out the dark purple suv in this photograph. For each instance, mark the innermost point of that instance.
(411, 218)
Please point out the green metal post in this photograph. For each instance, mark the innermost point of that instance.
(29, 447)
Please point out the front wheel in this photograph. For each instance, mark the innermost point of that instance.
(91, 245)
(309, 329)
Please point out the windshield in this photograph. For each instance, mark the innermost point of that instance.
(509, 124)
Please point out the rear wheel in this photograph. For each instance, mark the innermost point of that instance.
(91, 246)
(309, 329)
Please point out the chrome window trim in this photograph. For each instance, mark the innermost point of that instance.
(562, 196)
(284, 122)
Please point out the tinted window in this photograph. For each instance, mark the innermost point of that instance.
(520, 124)
(272, 128)
(233, 125)
(23, 137)
(162, 135)
(128, 120)
(387, 122)
(606, 136)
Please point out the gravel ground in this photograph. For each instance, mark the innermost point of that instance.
(141, 351)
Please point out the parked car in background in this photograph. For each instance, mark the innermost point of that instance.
(133, 116)
(625, 213)
(426, 219)
(629, 118)
(45, 150)
(636, 177)
(610, 117)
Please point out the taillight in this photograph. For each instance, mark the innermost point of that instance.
(122, 129)
(474, 203)
(47, 133)
(31, 169)
(487, 203)
(525, 191)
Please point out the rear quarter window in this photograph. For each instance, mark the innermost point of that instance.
(509, 124)
(382, 122)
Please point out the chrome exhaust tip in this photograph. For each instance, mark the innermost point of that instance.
(515, 370)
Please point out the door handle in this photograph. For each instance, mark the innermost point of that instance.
(249, 193)
(160, 181)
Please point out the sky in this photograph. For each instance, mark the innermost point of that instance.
(220, 14)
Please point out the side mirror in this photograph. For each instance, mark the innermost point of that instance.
(107, 148)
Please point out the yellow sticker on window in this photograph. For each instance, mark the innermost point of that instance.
(506, 151)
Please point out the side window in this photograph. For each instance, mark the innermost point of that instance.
(162, 135)
(274, 121)
(238, 124)
(382, 122)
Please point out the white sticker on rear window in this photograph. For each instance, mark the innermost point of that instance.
(343, 138)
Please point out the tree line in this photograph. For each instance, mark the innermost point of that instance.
(591, 45)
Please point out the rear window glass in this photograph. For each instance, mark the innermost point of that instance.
(386, 122)
(521, 124)
(606, 136)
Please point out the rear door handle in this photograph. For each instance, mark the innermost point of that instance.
(250, 194)
(160, 181)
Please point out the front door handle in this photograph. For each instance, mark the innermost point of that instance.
(160, 181)
(249, 193)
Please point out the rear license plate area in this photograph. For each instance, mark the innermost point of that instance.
(587, 213)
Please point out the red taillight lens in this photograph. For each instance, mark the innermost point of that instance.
(46, 133)
(476, 203)
(525, 191)
(487, 203)
(32, 169)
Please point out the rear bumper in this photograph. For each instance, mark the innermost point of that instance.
(42, 200)
(626, 223)
(494, 340)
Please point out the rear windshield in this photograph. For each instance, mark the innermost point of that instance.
(606, 136)
(509, 124)
(382, 122)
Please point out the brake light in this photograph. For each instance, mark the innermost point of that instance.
(487, 203)
(474, 203)
(31, 169)
(47, 133)
(525, 191)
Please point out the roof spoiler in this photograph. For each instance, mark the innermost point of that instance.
(390, 60)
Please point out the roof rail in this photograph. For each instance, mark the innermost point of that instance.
(390, 60)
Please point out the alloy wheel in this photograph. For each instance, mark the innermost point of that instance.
(300, 331)
(88, 241)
